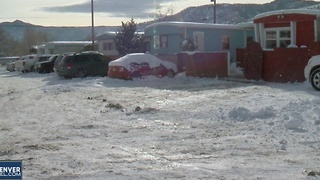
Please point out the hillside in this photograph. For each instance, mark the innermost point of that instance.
(226, 14)
(236, 13)
(17, 28)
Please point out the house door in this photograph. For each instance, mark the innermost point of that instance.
(253, 61)
(198, 38)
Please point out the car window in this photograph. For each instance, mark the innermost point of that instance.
(67, 59)
(41, 59)
(80, 58)
(52, 58)
(27, 57)
(58, 59)
(97, 58)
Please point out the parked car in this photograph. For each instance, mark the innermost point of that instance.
(58, 59)
(46, 66)
(83, 64)
(26, 63)
(312, 72)
(19, 65)
(139, 65)
(10, 66)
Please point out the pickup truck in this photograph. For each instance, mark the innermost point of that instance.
(26, 63)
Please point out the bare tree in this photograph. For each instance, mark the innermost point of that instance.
(7, 44)
(32, 37)
(168, 12)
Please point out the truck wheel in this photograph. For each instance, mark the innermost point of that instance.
(136, 75)
(170, 74)
(315, 79)
(81, 73)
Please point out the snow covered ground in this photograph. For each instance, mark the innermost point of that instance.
(180, 128)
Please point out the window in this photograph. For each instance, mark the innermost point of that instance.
(147, 44)
(163, 41)
(225, 42)
(278, 38)
(160, 41)
(285, 38)
(249, 40)
(78, 59)
(271, 39)
(108, 46)
(318, 30)
(96, 58)
(156, 43)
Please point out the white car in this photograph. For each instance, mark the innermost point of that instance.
(10, 66)
(312, 72)
(26, 63)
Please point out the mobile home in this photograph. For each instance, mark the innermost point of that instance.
(106, 43)
(58, 47)
(170, 37)
(286, 39)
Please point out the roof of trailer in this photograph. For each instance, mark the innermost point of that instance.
(288, 11)
(194, 25)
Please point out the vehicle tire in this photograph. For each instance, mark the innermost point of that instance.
(81, 73)
(135, 75)
(315, 79)
(32, 69)
(46, 71)
(170, 74)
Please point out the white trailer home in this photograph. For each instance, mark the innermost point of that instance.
(59, 47)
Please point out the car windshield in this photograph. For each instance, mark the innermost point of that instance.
(52, 58)
(43, 58)
(26, 57)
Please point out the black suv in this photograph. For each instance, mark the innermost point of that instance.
(83, 64)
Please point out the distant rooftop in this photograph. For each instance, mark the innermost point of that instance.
(198, 25)
(289, 11)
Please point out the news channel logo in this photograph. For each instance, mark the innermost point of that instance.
(11, 170)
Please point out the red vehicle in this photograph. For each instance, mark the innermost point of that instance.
(140, 65)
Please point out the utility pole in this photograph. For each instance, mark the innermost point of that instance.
(92, 25)
(215, 11)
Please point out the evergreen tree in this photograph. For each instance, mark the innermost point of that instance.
(127, 40)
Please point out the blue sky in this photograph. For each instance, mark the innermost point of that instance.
(107, 12)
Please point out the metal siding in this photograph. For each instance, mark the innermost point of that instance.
(173, 34)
